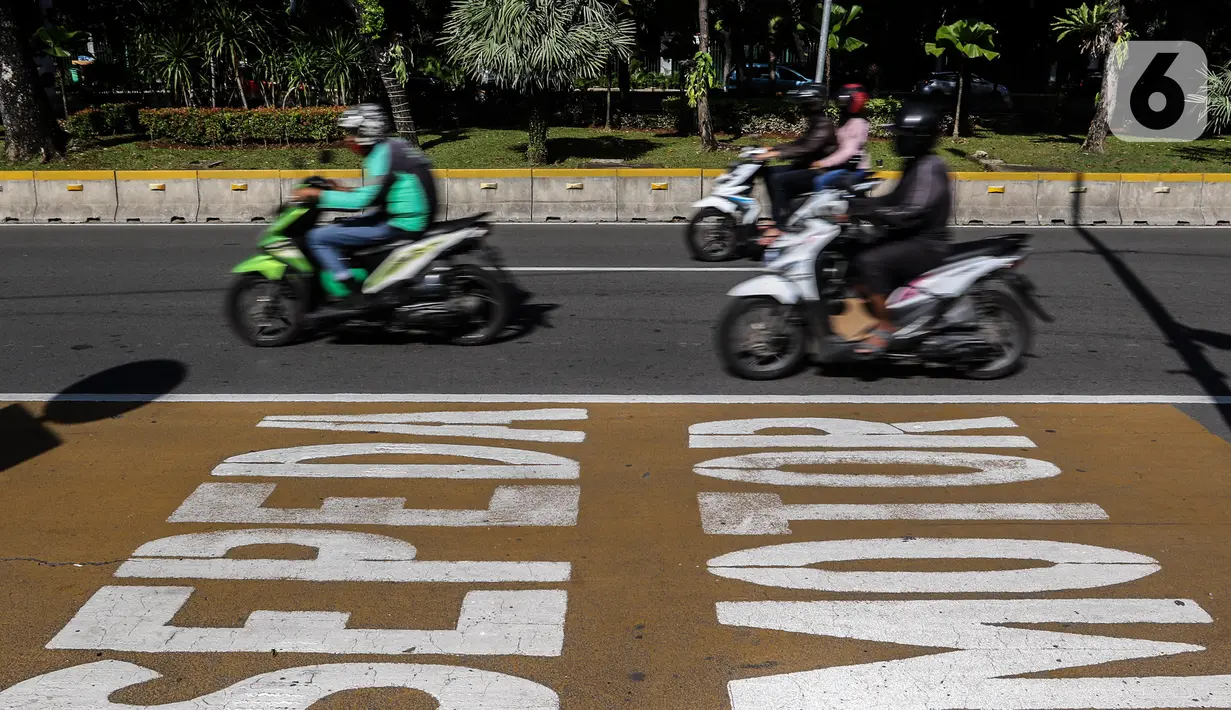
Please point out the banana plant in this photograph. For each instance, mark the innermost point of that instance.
(967, 40)
(61, 44)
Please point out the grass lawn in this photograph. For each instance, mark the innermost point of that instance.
(580, 147)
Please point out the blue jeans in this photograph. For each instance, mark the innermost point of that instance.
(831, 178)
(325, 240)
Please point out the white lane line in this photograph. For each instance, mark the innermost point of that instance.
(625, 399)
(631, 269)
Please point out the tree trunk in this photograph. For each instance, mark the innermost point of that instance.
(536, 144)
(705, 121)
(626, 85)
(959, 112)
(239, 80)
(1096, 135)
(399, 105)
(29, 124)
(607, 122)
(728, 59)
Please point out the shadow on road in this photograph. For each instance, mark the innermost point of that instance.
(1186, 341)
(104, 395)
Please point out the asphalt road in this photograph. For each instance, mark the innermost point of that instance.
(1146, 317)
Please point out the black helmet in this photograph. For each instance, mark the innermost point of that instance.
(811, 96)
(916, 129)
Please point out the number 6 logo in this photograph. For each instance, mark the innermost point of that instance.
(1160, 91)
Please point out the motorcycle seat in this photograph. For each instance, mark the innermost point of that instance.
(992, 246)
(454, 225)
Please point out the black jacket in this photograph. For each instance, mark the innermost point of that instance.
(919, 205)
(817, 142)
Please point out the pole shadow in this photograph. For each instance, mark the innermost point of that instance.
(103, 395)
(1186, 341)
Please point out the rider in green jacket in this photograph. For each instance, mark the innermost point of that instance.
(403, 195)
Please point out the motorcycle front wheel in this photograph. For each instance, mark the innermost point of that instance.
(711, 236)
(759, 338)
(263, 312)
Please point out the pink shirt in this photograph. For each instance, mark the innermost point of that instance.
(852, 142)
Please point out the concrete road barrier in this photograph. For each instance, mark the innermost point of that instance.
(239, 195)
(574, 195)
(1216, 199)
(291, 179)
(1161, 199)
(656, 195)
(506, 194)
(157, 196)
(76, 196)
(996, 198)
(1096, 195)
(17, 198)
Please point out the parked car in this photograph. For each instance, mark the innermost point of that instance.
(758, 79)
(943, 84)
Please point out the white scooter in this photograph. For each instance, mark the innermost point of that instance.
(724, 223)
(968, 313)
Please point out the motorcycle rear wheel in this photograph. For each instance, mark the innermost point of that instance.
(276, 319)
(714, 243)
(473, 281)
(1000, 309)
(773, 356)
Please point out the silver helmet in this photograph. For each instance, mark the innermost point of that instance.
(366, 122)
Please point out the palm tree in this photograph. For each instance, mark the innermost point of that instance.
(967, 40)
(1098, 30)
(536, 47)
(29, 121)
(231, 32)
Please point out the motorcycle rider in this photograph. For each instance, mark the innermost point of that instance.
(815, 143)
(916, 215)
(850, 162)
(404, 199)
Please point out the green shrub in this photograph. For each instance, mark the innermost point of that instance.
(85, 124)
(196, 126)
(118, 119)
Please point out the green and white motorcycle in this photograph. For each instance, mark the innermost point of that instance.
(449, 283)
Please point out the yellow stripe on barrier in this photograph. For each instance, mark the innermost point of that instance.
(239, 174)
(576, 185)
(479, 174)
(487, 186)
(155, 175)
(16, 175)
(658, 186)
(329, 174)
(582, 172)
(158, 187)
(74, 175)
(995, 189)
(659, 172)
(239, 187)
(76, 187)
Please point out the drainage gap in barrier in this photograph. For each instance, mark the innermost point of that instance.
(1059, 221)
(133, 219)
(1141, 221)
(1099, 221)
(93, 219)
(54, 219)
(1183, 223)
(552, 219)
(1221, 222)
(212, 219)
(178, 219)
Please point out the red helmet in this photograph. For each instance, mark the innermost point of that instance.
(852, 98)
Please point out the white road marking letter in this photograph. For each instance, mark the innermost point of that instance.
(1075, 566)
(766, 514)
(973, 678)
(342, 556)
(290, 462)
(767, 468)
(849, 433)
(88, 687)
(525, 623)
(484, 425)
(510, 506)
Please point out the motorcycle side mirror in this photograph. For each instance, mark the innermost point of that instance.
(326, 157)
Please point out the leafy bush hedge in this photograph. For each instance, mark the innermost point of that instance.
(106, 120)
(197, 126)
(770, 116)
